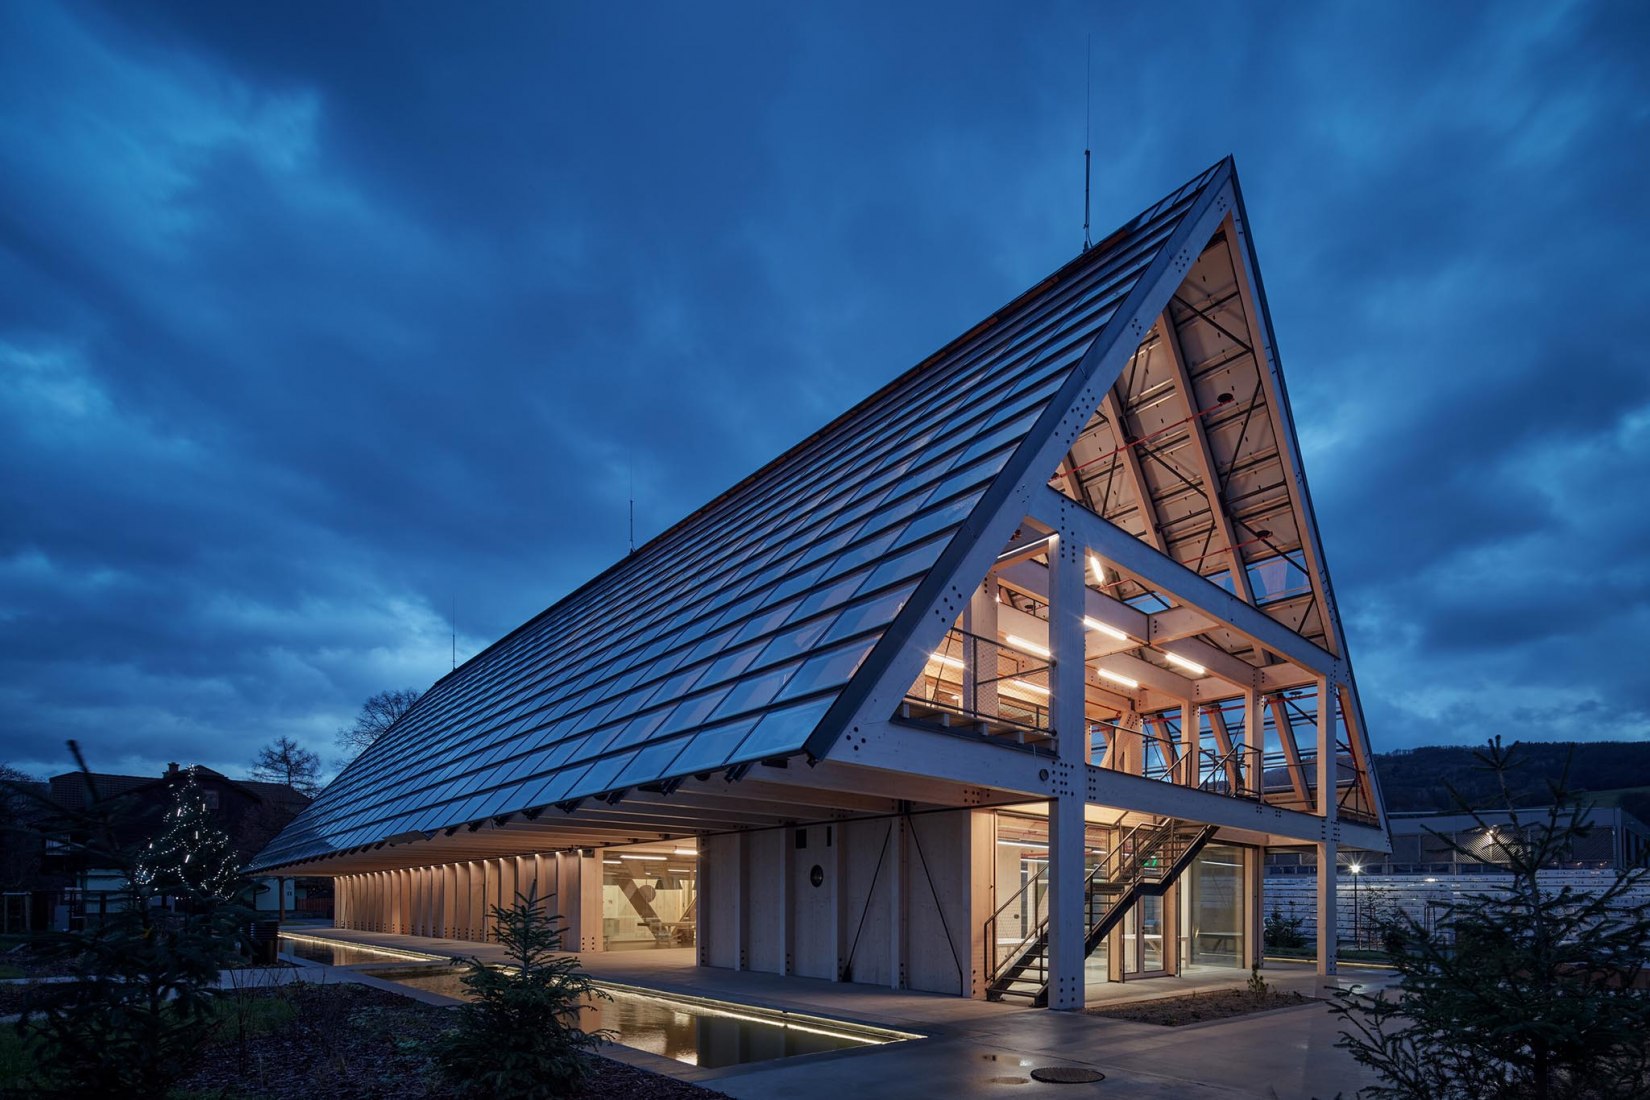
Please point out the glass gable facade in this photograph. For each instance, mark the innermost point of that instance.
(726, 639)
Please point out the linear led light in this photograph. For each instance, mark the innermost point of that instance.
(1097, 569)
(684, 851)
(1027, 685)
(953, 662)
(1030, 647)
(388, 952)
(1101, 628)
(650, 858)
(787, 1021)
(1026, 549)
(1117, 678)
(1190, 666)
(615, 862)
(1022, 844)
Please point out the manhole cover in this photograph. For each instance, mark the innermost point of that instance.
(1067, 1075)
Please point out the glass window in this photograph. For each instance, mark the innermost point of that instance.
(870, 613)
(691, 712)
(939, 518)
(826, 670)
(1212, 906)
(754, 691)
(652, 763)
(782, 731)
(907, 565)
(727, 667)
(794, 642)
(710, 748)
(599, 778)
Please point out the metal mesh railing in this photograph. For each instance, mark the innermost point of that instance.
(981, 678)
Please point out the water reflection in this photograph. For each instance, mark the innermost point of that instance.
(705, 1036)
(696, 1034)
(337, 954)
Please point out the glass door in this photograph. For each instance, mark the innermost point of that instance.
(1131, 942)
(1143, 935)
(1151, 935)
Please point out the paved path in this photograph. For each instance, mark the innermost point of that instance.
(978, 1049)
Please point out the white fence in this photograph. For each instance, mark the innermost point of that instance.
(1362, 900)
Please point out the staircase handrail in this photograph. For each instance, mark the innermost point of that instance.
(992, 966)
(1139, 841)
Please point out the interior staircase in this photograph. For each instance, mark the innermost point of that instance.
(1146, 861)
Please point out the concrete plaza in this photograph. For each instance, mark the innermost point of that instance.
(980, 1049)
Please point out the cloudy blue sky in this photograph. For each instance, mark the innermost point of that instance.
(318, 321)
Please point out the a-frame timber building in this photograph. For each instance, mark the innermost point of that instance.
(997, 685)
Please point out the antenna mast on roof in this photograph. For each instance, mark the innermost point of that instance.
(633, 504)
(455, 628)
(1088, 111)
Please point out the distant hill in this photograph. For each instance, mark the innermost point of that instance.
(1605, 772)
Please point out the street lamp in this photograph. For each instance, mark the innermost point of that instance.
(1357, 915)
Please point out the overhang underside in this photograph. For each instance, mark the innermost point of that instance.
(777, 794)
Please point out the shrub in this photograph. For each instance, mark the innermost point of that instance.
(139, 1006)
(1284, 932)
(1531, 993)
(520, 1036)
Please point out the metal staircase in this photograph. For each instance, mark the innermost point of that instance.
(1146, 861)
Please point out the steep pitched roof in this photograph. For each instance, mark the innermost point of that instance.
(728, 638)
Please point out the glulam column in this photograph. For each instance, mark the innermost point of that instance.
(1328, 855)
(1066, 920)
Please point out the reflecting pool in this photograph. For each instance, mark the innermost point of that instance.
(692, 1030)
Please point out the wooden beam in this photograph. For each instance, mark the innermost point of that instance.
(1291, 751)
(1170, 342)
(1147, 508)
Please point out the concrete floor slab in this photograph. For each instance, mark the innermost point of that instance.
(980, 1049)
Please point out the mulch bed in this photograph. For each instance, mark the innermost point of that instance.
(352, 1042)
(1198, 1007)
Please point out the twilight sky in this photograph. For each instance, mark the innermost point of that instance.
(318, 321)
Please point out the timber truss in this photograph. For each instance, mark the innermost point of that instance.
(1147, 606)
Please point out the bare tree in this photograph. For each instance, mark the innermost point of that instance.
(377, 715)
(286, 761)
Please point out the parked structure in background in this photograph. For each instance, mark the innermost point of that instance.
(999, 685)
(72, 888)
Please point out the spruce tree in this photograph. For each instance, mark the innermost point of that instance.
(519, 1038)
(191, 859)
(1527, 993)
(139, 1008)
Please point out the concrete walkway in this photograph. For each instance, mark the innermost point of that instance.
(980, 1049)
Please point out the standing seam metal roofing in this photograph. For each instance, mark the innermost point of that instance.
(727, 638)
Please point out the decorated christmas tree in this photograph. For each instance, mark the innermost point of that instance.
(192, 858)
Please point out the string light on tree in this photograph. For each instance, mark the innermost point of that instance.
(191, 858)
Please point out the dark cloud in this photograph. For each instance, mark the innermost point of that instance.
(317, 321)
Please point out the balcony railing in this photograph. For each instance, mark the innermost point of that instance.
(979, 683)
